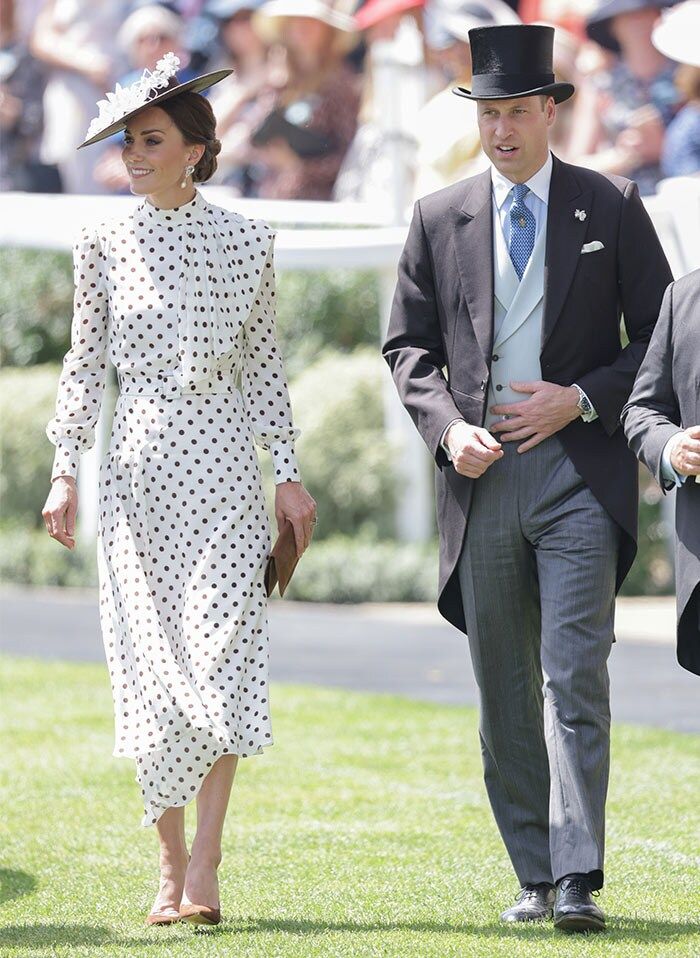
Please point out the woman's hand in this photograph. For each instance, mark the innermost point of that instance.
(60, 510)
(293, 502)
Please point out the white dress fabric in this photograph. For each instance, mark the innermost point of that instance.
(181, 302)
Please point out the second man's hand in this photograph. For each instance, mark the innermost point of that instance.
(472, 449)
(549, 408)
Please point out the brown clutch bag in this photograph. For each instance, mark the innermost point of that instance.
(282, 560)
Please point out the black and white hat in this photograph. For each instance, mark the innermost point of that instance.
(150, 90)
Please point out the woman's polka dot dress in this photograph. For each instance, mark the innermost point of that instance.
(181, 302)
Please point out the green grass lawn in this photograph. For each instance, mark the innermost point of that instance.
(364, 831)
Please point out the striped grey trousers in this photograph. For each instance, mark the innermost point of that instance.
(537, 574)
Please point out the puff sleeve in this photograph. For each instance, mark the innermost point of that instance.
(263, 380)
(83, 376)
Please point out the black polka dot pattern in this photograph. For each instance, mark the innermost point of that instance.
(181, 301)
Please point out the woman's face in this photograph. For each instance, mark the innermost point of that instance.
(148, 48)
(308, 39)
(635, 26)
(238, 34)
(155, 153)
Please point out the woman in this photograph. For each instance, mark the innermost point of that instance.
(179, 295)
(621, 118)
(241, 105)
(303, 140)
(75, 41)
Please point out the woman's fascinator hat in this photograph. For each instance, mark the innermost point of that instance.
(151, 89)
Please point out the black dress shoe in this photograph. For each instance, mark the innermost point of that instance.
(532, 903)
(574, 909)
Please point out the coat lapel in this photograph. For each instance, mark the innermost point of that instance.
(566, 234)
(473, 239)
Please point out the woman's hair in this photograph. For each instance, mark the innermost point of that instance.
(193, 116)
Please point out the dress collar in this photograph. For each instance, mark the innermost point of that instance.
(186, 213)
(538, 183)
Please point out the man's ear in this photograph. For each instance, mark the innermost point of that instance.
(550, 110)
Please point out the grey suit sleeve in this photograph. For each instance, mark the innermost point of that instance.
(414, 346)
(652, 415)
(643, 275)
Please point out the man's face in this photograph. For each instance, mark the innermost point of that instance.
(514, 134)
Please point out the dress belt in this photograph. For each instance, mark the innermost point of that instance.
(165, 385)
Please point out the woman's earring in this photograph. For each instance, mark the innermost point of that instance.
(189, 170)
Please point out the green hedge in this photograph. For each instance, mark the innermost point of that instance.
(345, 569)
(346, 461)
(316, 310)
(36, 302)
(30, 556)
(27, 398)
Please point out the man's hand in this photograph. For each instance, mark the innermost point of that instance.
(685, 453)
(472, 449)
(549, 409)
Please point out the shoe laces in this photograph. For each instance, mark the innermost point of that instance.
(580, 887)
(528, 892)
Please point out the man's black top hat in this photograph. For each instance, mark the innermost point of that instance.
(511, 61)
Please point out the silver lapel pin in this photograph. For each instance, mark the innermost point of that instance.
(580, 215)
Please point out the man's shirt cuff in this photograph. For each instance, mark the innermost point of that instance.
(444, 434)
(667, 471)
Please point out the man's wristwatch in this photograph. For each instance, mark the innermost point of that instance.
(584, 403)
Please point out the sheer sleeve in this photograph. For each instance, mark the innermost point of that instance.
(83, 376)
(264, 383)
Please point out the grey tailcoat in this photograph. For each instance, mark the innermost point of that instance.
(440, 338)
(666, 396)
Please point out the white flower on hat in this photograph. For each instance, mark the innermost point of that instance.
(124, 100)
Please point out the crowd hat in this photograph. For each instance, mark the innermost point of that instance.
(125, 102)
(269, 18)
(599, 22)
(676, 36)
(149, 17)
(512, 61)
(374, 11)
(446, 21)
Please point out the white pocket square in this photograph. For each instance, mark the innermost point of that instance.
(592, 247)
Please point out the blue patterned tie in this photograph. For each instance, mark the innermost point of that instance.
(522, 230)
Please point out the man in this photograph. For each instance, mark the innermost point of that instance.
(504, 343)
(662, 424)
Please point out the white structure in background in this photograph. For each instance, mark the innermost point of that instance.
(358, 238)
(400, 85)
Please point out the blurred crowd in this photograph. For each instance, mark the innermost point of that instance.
(334, 101)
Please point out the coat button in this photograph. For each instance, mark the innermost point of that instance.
(499, 387)
(495, 357)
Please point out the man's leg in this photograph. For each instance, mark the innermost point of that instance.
(576, 544)
(497, 575)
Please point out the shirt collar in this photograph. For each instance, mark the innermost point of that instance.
(538, 183)
(186, 213)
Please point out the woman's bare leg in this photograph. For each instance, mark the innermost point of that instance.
(173, 861)
(201, 882)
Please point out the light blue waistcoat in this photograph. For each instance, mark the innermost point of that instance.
(517, 317)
